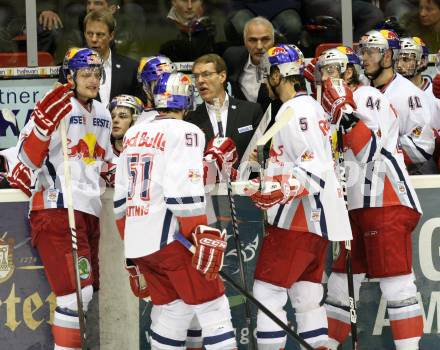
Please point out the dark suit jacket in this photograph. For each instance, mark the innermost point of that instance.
(124, 77)
(236, 58)
(243, 119)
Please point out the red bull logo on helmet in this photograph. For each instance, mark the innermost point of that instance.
(185, 79)
(345, 50)
(94, 59)
(389, 34)
(71, 52)
(273, 51)
(87, 149)
(419, 41)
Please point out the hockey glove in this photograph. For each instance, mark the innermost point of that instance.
(279, 189)
(21, 178)
(210, 248)
(436, 86)
(309, 71)
(138, 284)
(54, 106)
(337, 95)
(223, 151)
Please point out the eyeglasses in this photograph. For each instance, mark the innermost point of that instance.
(204, 75)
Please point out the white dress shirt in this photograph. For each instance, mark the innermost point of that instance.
(104, 88)
(224, 115)
(248, 81)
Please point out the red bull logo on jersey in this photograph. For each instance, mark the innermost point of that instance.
(144, 139)
(87, 149)
(307, 155)
(273, 51)
(416, 132)
(273, 154)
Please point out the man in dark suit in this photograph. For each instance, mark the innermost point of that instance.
(239, 118)
(120, 71)
(245, 73)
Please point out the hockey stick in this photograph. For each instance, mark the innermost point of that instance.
(68, 185)
(235, 233)
(347, 243)
(188, 245)
(277, 126)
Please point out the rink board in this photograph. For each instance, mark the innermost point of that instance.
(26, 300)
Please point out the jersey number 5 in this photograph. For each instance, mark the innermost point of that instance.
(139, 173)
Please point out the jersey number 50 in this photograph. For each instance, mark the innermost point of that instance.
(139, 173)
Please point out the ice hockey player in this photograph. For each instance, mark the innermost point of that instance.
(378, 51)
(159, 190)
(305, 209)
(383, 206)
(88, 125)
(124, 109)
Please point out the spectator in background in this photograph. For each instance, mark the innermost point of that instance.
(239, 118)
(425, 23)
(245, 65)
(194, 32)
(120, 72)
(284, 16)
(399, 8)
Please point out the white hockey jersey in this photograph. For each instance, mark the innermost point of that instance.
(376, 172)
(413, 110)
(302, 148)
(88, 142)
(434, 102)
(159, 178)
(147, 115)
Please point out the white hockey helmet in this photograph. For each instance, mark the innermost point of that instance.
(175, 91)
(411, 45)
(132, 102)
(383, 39)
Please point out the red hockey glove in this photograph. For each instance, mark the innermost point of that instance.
(52, 108)
(223, 151)
(279, 189)
(138, 284)
(436, 86)
(210, 248)
(21, 178)
(336, 96)
(309, 71)
(108, 174)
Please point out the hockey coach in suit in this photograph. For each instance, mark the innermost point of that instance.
(239, 118)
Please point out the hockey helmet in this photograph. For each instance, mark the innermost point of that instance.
(174, 90)
(411, 45)
(81, 58)
(382, 40)
(341, 56)
(288, 58)
(132, 102)
(151, 68)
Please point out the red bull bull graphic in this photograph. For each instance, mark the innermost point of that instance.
(273, 51)
(87, 149)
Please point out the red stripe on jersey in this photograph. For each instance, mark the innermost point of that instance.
(338, 330)
(406, 158)
(188, 224)
(359, 136)
(36, 150)
(66, 337)
(299, 222)
(389, 194)
(120, 223)
(407, 328)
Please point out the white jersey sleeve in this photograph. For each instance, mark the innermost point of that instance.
(302, 148)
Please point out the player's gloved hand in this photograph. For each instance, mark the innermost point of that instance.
(108, 174)
(20, 178)
(336, 98)
(223, 151)
(54, 106)
(138, 284)
(436, 86)
(210, 248)
(348, 121)
(309, 70)
(279, 189)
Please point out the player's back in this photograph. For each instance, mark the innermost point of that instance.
(163, 162)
